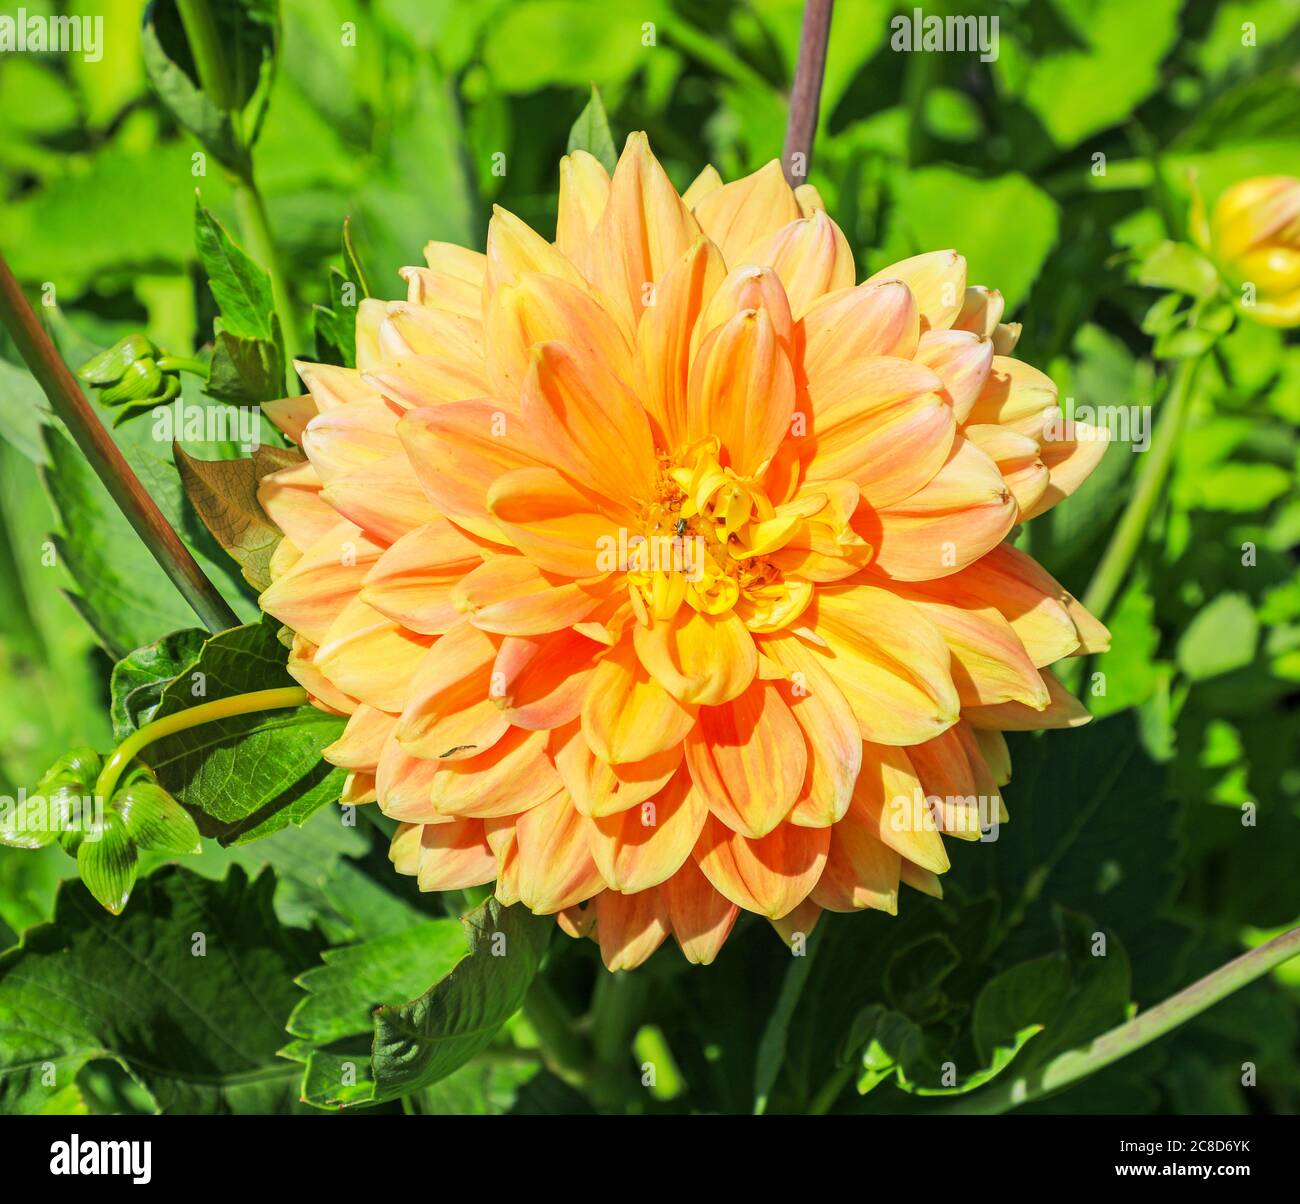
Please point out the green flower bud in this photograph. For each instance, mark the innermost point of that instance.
(108, 366)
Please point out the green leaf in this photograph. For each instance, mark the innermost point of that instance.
(1220, 638)
(1177, 265)
(188, 991)
(138, 678)
(224, 492)
(241, 289)
(107, 861)
(170, 67)
(244, 370)
(23, 411)
(591, 132)
(771, 1049)
(249, 775)
(1005, 226)
(419, 1043)
(343, 993)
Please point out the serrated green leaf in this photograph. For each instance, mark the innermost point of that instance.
(138, 678)
(188, 990)
(421, 1042)
(246, 371)
(591, 132)
(343, 993)
(241, 289)
(251, 773)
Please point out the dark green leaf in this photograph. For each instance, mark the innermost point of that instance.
(139, 677)
(241, 289)
(107, 861)
(188, 991)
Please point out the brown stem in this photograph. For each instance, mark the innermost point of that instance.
(805, 97)
(70, 404)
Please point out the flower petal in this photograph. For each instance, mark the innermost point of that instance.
(629, 716)
(701, 917)
(630, 927)
(412, 582)
(640, 847)
(556, 869)
(558, 526)
(698, 658)
(889, 661)
(860, 323)
(748, 759)
(938, 282)
(770, 876)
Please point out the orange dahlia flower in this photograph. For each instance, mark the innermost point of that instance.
(660, 568)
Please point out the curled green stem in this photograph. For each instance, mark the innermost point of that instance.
(206, 712)
(1128, 535)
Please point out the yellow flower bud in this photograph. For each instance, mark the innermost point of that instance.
(1254, 235)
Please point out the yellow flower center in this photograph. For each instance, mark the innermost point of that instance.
(706, 541)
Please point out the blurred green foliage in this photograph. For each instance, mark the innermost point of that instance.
(1051, 168)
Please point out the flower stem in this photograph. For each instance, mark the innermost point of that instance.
(1144, 1028)
(561, 1044)
(210, 61)
(805, 96)
(141, 511)
(1127, 537)
(207, 712)
(253, 223)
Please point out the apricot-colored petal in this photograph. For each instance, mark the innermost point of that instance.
(771, 875)
(402, 784)
(587, 421)
(989, 663)
(639, 847)
(701, 917)
(541, 309)
(511, 596)
(748, 759)
(630, 927)
(890, 662)
(289, 415)
(451, 711)
(556, 869)
(1017, 458)
(938, 282)
(643, 232)
(558, 526)
(514, 775)
(354, 436)
(962, 361)
(981, 311)
(860, 323)
(698, 658)
(458, 450)
(1015, 395)
(455, 856)
(812, 257)
(543, 679)
(412, 582)
(384, 499)
(627, 715)
(741, 389)
(514, 248)
(412, 382)
(292, 500)
(328, 575)
(442, 290)
(740, 214)
(368, 656)
(882, 424)
(888, 799)
(362, 741)
(1064, 711)
(830, 729)
(455, 260)
(965, 511)
(1069, 462)
(584, 193)
(861, 871)
(665, 338)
